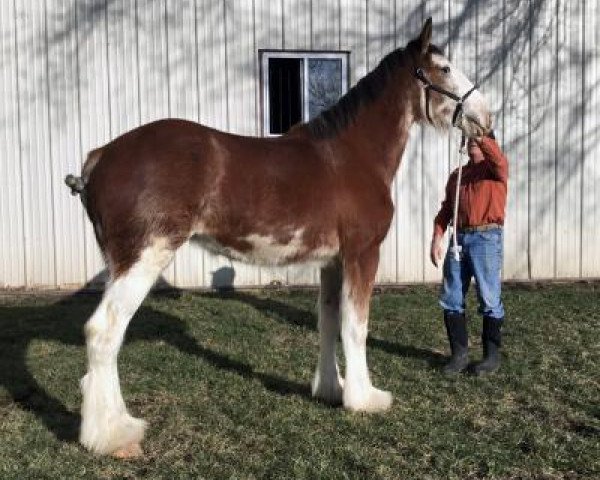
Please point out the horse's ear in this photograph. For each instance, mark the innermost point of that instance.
(425, 36)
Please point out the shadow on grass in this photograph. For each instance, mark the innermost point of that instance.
(277, 310)
(433, 359)
(63, 322)
(20, 326)
(289, 314)
(150, 324)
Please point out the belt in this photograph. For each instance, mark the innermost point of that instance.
(479, 228)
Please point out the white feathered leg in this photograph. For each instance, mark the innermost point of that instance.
(107, 427)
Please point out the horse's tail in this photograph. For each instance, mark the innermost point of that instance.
(78, 184)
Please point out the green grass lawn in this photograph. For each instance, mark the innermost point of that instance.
(224, 382)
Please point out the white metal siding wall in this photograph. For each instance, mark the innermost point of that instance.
(76, 73)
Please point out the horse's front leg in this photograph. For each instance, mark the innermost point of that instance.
(327, 384)
(358, 278)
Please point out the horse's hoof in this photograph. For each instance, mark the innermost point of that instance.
(380, 401)
(331, 395)
(372, 400)
(128, 452)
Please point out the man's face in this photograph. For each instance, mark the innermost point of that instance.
(475, 152)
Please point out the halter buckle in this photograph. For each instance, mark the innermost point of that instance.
(420, 74)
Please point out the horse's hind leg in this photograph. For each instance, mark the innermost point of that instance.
(107, 427)
(327, 384)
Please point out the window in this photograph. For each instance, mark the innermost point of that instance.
(297, 86)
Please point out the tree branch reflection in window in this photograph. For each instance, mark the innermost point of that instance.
(324, 84)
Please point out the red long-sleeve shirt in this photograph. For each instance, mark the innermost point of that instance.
(483, 189)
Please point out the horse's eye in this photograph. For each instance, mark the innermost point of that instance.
(446, 69)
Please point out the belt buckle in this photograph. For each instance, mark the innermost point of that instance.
(478, 228)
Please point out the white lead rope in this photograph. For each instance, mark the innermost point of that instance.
(456, 248)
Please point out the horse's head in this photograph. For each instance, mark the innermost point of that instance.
(447, 97)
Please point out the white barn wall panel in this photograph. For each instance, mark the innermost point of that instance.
(153, 60)
(543, 158)
(38, 181)
(515, 137)
(12, 251)
(590, 260)
(76, 73)
(326, 28)
(123, 66)
(297, 24)
(569, 139)
(242, 72)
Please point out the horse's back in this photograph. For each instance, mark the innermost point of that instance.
(184, 161)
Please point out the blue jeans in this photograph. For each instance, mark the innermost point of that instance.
(481, 258)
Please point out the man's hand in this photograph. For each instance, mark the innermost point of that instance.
(436, 249)
(490, 134)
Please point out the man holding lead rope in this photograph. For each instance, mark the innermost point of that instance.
(474, 252)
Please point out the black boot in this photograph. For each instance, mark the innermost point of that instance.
(456, 328)
(491, 338)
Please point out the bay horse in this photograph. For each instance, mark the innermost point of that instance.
(320, 193)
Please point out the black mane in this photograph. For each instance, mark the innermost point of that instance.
(369, 88)
(337, 117)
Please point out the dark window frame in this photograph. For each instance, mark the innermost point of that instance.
(303, 56)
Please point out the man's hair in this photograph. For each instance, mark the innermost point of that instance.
(473, 141)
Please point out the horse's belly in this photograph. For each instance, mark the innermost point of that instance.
(267, 250)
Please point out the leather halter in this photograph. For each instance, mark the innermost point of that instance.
(420, 74)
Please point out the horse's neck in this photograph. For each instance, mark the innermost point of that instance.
(379, 135)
